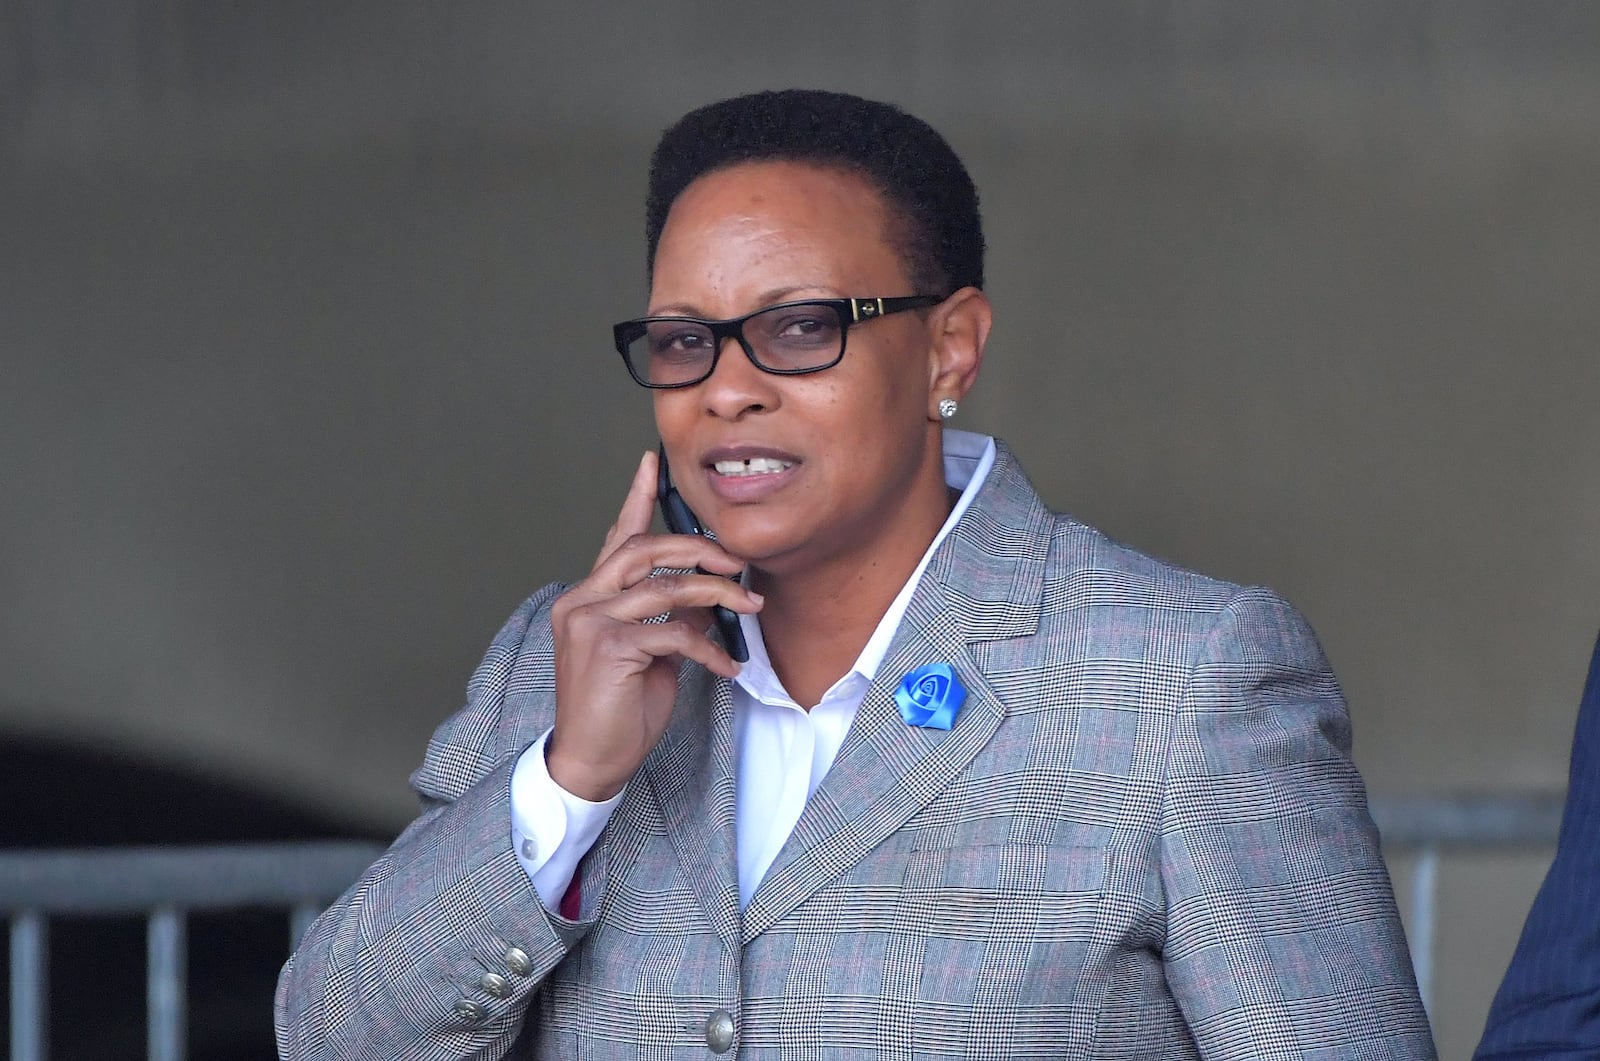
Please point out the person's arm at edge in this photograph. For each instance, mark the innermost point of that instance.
(1548, 1004)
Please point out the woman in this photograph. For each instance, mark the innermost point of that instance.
(990, 785)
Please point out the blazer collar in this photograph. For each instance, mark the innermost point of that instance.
(986, 580)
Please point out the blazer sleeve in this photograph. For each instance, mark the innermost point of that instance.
(1283, 939)
(1548, 1005)
(438, 949)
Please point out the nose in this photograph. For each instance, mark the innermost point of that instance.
(736, 387)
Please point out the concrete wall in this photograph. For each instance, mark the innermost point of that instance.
(307, 378)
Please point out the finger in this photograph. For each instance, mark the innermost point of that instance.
(678, 593)
(701, 619)
(637, 559)
(637, 507)
(678, 638)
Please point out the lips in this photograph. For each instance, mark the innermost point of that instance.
(748, 473)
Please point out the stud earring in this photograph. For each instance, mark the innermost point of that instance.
(947, 408)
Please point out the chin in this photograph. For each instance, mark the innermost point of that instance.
(759, 550)
(760, 543)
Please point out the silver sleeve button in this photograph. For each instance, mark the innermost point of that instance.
(517, 961)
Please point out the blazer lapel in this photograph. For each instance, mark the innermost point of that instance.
(691, 771)
(983, 585)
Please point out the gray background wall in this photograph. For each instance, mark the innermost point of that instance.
(307, 381)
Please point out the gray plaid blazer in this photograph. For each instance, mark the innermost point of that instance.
(1143, 838)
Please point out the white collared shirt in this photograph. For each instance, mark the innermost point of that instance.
(783, 751)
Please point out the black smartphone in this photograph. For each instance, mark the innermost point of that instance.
(680, 519)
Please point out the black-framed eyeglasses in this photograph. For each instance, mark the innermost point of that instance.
(789, 339)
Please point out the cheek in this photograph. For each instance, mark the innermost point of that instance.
(882, 383)
(871, 432)
(669, 408)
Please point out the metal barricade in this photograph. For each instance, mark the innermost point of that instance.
(165, 884)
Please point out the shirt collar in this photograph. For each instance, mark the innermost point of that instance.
(968, 457)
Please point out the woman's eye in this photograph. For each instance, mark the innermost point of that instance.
(681, 342)
(806, 328)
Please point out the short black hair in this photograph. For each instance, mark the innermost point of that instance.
(936, 227)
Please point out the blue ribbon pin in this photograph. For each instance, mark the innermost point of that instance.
(930, 696)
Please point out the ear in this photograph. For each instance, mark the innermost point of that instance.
(959, 329)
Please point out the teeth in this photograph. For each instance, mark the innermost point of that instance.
(753, 466)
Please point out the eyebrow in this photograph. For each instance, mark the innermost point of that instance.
(767, 298)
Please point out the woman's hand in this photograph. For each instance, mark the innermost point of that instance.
(616, 674)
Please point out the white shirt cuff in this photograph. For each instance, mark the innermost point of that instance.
(551, 829)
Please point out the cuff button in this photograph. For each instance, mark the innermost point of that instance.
(517, 961)
(470, 1011)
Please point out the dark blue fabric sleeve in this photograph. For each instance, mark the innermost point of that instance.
(1548, 1005)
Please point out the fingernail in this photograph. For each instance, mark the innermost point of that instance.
(758, 598)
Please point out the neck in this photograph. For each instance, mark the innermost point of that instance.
(816, 622)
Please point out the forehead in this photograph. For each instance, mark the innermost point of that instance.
(778, 223)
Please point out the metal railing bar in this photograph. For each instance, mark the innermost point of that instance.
(300, 919)
(1469, 821)
(167, 985)
(133, 880)
(1425, 918)
(30, 986)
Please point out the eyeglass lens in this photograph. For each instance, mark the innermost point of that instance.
(783, 339)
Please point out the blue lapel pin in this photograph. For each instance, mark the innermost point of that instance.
(930, 696)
